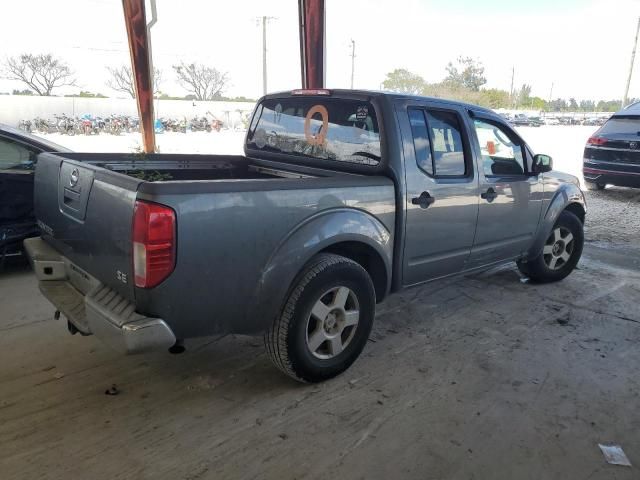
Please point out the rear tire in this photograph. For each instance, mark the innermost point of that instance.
(595, 186)
(325, 322)
(560, 253)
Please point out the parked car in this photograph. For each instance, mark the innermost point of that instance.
(612, 153)
(521, 120)
(342, 197)
(18, 151)
(551, 121)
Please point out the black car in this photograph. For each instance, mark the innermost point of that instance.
(612, 153)
(18, 151)
(524, 121)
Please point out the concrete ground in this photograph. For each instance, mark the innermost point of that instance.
(482, 377)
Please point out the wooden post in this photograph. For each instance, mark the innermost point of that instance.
(312, 42)
(140, 49)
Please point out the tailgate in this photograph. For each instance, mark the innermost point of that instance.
(86, 213)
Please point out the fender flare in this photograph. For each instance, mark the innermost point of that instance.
(313, 235)
(567, 194)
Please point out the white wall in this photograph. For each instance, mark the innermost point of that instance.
(14, 108)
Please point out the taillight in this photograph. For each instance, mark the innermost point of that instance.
(154, 243)
(596, 141)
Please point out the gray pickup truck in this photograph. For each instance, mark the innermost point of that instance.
(342, 197)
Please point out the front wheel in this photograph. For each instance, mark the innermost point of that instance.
(326, 320)
(560, 253)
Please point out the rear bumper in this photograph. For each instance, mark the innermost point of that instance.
(92, 307)
(602, 174)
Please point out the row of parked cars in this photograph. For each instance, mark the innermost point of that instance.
(522, 120)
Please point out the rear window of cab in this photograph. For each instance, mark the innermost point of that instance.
(317, 127)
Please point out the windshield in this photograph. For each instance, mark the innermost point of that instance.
(318, 127)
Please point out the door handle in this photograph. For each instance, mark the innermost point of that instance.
(490, 195)
(424, 200)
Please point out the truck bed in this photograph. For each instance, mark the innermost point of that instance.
(167, 167)
(233, 214)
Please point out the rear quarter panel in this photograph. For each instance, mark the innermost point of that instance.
(240, 244)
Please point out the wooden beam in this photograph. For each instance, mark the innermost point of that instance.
(140, 49)
(312, 42)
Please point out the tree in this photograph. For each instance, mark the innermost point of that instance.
(495, 98)
(122, 80)
(524, 95)
(573, 105)
(205, 83)
(403, 81)
(467, 73)
(587, 105)
(41, 73)
(538, 103)
(558, 105)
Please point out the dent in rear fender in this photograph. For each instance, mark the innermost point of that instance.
(315, 234)
(566, 194)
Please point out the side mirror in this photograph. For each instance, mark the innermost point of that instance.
(542, 163)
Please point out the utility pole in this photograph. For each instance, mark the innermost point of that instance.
(550, 96)
(353, 59)
(512, 93)
(264, 20)
(633, 57)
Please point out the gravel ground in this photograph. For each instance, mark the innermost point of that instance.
(613, 217)
(483, 377)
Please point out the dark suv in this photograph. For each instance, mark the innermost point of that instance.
(612, 153)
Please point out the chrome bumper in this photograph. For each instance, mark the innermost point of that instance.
(94, 308)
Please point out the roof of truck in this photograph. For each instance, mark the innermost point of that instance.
(380, 93)
(38, 142)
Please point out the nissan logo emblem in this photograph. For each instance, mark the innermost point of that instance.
(73, 178)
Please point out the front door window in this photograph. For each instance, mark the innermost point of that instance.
(501, 155)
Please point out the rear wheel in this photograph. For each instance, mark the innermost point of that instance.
(326, 320)
(595, 186)
(560, 253)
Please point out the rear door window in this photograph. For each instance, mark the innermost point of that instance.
(421, 143)
(438, 143)
(318, 127)
(446, 139)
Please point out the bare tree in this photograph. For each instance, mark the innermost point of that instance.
(122, 80)
(205, 83)
(41, 73)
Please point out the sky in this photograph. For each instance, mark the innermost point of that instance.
(582, 47)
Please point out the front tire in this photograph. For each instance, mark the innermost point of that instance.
(326, 320)
(560, 253)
